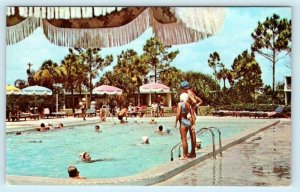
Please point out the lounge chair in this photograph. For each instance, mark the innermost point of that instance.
(58, 114)
(142, 110)
(241, 113)
(29, 115)
(221, 113)
(77, 113)
(258, 114)
(46, 113)
(279, 112)
(35, 116)
(132, 114)
(14, 115)
(91, 112)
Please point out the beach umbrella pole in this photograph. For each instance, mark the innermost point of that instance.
(56, 103)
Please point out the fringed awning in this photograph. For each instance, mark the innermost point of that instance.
(193, 24)
(77, 29)
(18, 32)
(62, 12)
(99, 37)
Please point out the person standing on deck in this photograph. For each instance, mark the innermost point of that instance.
(194, 101)
(83, 108)
(183, 109)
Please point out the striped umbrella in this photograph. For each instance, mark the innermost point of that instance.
(36, 90)
(154, 88)
(107, 89)
(12, 90)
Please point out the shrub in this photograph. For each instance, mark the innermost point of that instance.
(252, 107)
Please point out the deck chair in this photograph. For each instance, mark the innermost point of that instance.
(91, 112)
(142, 111)
(77, 113)
(279, 112)
(46, 113)
(14, 115)
(58, 114)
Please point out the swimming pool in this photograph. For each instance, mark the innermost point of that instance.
(119, 146)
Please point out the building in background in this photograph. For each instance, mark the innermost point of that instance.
(288, 89)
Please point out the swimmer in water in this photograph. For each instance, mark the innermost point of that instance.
(86, 158)
(74, 173)
(145, 140)
(153, 121)
(160, 130)
(43, 127)
(97, 129)
(60, 126)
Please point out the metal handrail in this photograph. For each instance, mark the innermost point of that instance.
(201, 131)
(176, 145)
(173, 149)
(107, 110)
(212, 137)
(220, 140)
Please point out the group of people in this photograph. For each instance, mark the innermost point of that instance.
(185, 115)
(158, 107)
(84, 157)
(73, 171)
(187, 105)
(43, 127)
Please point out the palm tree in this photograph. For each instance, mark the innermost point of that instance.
(69, 74)
(202, 84)
(224, 74)
(214, 62)
(47, 74)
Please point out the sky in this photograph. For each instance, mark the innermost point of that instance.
(233, 38)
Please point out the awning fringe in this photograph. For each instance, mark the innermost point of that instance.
(99, 37)
(193, 25)
(62, 12)
(17, 33)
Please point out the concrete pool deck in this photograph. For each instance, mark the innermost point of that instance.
(262, 160)
(149, 177)
(71, 121)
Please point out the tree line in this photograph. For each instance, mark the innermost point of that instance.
(271, 39)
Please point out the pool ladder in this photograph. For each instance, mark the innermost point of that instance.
(200, 132)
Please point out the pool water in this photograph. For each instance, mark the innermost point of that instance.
(118, 146)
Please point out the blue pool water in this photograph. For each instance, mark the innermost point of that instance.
(119, 146)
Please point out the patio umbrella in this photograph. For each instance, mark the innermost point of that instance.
(154, 88)
(12, 90)
(90, 27)
(36, 90)
(107, 89)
